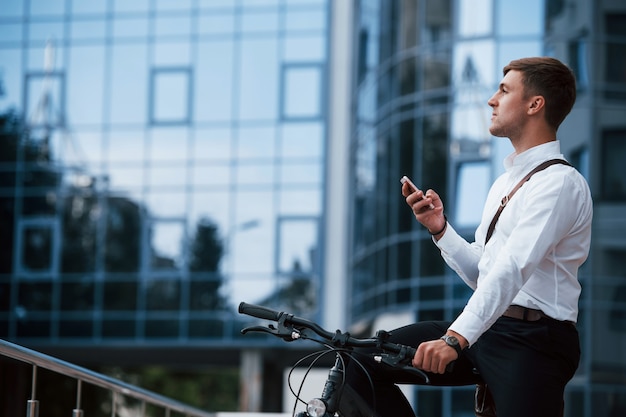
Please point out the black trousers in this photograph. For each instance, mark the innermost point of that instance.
(526, 365)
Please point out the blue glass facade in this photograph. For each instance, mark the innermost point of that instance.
(163, 161)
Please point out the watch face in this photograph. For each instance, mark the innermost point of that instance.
(451, 340)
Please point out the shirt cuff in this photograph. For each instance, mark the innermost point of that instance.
(468, 325)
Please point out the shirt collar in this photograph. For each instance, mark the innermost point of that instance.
(533, 156)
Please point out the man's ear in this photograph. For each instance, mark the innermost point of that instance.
(536, 103)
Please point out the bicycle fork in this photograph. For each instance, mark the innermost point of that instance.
(328, 404)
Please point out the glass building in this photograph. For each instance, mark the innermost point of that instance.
(161, 161)
(424, 70)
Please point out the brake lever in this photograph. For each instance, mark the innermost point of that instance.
(400, 361)
(288, 334)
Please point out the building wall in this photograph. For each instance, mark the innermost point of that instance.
(169, 162)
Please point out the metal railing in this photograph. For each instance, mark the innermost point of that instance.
(83, 375)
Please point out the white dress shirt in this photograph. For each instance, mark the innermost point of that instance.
(540, 240)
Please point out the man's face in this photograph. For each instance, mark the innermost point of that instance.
(509, 107)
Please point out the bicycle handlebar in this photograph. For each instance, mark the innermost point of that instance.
(404, 353)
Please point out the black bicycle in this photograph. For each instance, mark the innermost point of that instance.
(337, 398)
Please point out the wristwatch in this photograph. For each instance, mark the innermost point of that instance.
(453, 342)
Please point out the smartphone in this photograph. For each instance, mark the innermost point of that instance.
(413, 187)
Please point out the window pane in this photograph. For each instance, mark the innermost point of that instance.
(302, 90)
(47, 7)
(170, 96)
(302, 140)
(475, 17)
(128, 84)
(259, 21)
(125, 28)
(298, 49)
(172, 54)
(297, 245)
(259, 79)
(212, 144)
(303, 20)
(209, 24)
(472, 185)
(93, 29)
(86, 65)
(214, 81)
(44, 100)
(613, 173)
(520, 17)
(37, 248)
(169, 144)
(167, 240)
(256, 142)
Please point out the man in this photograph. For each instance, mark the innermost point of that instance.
(517, 329)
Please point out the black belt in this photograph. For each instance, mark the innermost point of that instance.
(523, 313)
(529, 314)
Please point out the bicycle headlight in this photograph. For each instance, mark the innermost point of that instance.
(316, 408)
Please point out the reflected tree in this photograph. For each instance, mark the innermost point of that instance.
(205, 252)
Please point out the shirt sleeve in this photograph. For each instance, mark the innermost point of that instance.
(461, 256)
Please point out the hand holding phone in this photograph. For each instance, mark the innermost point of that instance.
(413, 187)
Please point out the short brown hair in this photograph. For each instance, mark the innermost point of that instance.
(550, 78)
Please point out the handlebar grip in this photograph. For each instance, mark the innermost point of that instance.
(258, 311)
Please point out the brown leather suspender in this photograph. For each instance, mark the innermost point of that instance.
(506, 198)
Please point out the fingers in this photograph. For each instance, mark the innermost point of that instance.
(433, 356)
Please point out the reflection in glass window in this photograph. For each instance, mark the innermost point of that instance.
(37, 245)
(44, 31)
(300, 201)
(301, 20)
(211, 174)
(45, 102)
(301, 92)
(166, 240)
(172, 54)
(209, 24)
(125, 6)
(520, 17)
(128, 83)
(302, 140)
(613, 174)
(473, 181)
(172, 26)
(213, 84)
(615, 64)
(126, 28)
(301, 172)
(88, 29)
(167, 175)
(304, 49)
(297, 245)
(169, 144)
(84, 97)
(46, 7)
(255, 173)
(475, 17)
(259, 79)
(171, 89)
(171, 204)
(256, 142)
(212, 144)
(254, 21)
